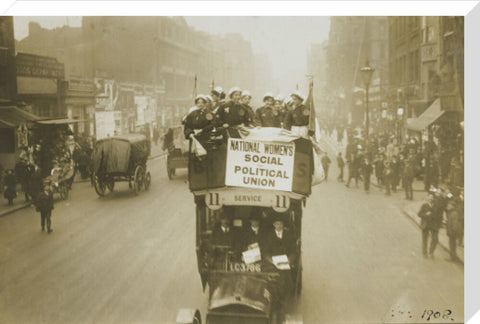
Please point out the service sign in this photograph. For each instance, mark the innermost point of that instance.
(259, 164)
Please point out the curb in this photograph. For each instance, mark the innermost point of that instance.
(416, 222)
(10, 211)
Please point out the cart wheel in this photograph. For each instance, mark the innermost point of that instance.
(100, 186)
(138, 181)
(110, 185)
(148, 180)
(63, 189)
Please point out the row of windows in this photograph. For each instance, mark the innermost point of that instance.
(406, 68)
(403, 25)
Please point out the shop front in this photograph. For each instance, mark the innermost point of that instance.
(80, 106)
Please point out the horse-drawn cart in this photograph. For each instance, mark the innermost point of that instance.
(177, 146)
(121, 158)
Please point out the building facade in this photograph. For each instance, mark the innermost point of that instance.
(8, 84)
(352, 42)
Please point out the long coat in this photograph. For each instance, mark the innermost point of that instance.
(44, 202)
(275, 246)
(232, 114)
(268, 117)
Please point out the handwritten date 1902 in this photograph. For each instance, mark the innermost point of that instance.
(429, 314)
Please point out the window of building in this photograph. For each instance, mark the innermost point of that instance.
(430, 34)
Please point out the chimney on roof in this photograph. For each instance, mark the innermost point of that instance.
(34, 28)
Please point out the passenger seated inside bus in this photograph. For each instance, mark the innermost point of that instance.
(225, 241)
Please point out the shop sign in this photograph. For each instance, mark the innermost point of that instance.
(30, 65)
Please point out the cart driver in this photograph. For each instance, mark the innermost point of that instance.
(199, 119)
(223, 241)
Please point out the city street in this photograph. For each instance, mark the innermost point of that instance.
(131, 259)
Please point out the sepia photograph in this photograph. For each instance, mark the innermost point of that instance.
(232, 169)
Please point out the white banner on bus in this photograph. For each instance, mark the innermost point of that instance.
(260, 164)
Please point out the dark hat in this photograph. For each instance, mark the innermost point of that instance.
(279, 217)
(222, 214)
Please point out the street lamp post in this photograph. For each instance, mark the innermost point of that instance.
(367, 72)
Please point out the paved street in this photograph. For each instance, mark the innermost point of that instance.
(131, 259)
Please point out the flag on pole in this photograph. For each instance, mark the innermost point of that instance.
(309, 104)
(195, 88)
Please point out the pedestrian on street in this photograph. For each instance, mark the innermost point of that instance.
(395, 175)
(366, 172)
(36, 183)
(326, 164)
(10, 192)
(387, 177)
(379, 168)
(44, 205)
(408, 176)
(354, 169)
(23, 172)
(431, 214)
(454, 226)
(341, 165)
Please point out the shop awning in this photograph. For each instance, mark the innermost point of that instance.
(429, 116)
(61, 121)
(11, 116)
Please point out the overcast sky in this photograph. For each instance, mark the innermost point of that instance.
(285, 40)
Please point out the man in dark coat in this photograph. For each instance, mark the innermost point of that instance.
(255, 233)
(366, 173)
(454, 225)
(35, 183)
(44, 205)
(280, 241)
(326, 164)
(223, 233)
(408, 176)
(431, 214)
(341, 165)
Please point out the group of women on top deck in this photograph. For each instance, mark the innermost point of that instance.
(215, 111)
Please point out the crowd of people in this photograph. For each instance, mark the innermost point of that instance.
(218, 110)
(396, 166)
